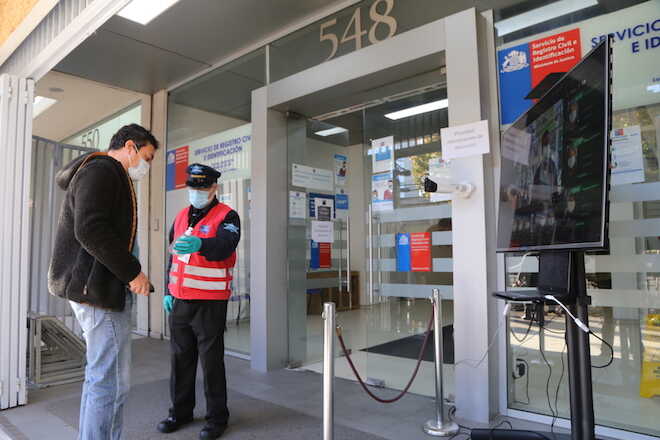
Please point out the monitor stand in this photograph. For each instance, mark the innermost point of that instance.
(579, 369)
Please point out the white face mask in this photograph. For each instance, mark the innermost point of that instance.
(571, 161)
(570, 206)
(140, 170)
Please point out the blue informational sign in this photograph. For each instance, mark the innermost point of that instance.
(403, 253)
(515, 81)
(312, 197)
(315, 255)
(341, 201)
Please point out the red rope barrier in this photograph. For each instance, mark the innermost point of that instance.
(412, 379)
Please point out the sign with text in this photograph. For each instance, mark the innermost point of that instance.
(465, 140)
(627, 156)
(177, 164)
(312, 178)
(524, 66)
(323, 231)
(420, 252)
(227, 152)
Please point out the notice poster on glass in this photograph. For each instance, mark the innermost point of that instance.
(321, 200)
(297, 204)
(320, 255)
(341, 203)
(341, 169)
(312, 178)
(382, 194)
(382, 151)
(403, 252)
(323, 231)
(627, 156)
(420, 252)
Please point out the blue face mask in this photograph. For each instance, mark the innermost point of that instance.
(199, 199)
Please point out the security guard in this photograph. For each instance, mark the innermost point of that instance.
(203, 256)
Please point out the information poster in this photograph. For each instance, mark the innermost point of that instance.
(341, 169)
(465, 140)
(227, 152)
(524, 66)
(341, 203)
(324, 201)
(382, 151)
(403, 252)
(312, 178)
(627, 156)
(320, 255)
(177, 164)
(323, 231)
(420, 252)
(297, 204)
(382, 195)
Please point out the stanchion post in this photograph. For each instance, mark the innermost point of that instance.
(328, 371)
(439, 427)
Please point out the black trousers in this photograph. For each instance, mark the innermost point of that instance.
(197, 331)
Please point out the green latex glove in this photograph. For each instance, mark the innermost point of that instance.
(188, 244)
(168, 303)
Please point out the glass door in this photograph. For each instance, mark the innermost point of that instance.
(318, 234)
(409, 239)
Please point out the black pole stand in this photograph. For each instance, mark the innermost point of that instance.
(579, 369)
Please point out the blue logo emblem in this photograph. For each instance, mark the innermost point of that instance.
(204, 229)
(231, 228)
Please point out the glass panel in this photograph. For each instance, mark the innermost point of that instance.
(209, 122)
(317, 263)
(623, 282)
(409, 247)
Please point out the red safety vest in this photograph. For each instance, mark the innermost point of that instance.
(200, 278)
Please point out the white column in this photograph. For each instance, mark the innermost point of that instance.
(16, 96)
(472, 223)
(268, 236)
(156, 223)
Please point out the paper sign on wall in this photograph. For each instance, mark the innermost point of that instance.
(323, 231)
(297, 204)
(465, 140)
(313, 178)
(627, 156)
(382, 151)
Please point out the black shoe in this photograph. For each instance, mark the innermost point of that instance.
(212, 431)
(172, 424)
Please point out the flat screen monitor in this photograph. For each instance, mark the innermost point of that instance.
(555, 164)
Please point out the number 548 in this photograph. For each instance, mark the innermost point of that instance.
(355, 23)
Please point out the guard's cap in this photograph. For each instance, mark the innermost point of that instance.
(201, 176)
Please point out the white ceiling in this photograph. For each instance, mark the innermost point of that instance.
(188, 38)
(81, 104)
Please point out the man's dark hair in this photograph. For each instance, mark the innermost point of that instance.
(133, 132)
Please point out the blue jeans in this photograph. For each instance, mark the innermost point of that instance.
(107, 375)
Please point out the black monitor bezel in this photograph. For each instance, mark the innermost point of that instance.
(603, 243)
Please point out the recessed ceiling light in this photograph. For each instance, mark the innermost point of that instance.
(418, 109)
(143, 11)
(541, 15)
(41, 104)
(55, 89)
(331, 131)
